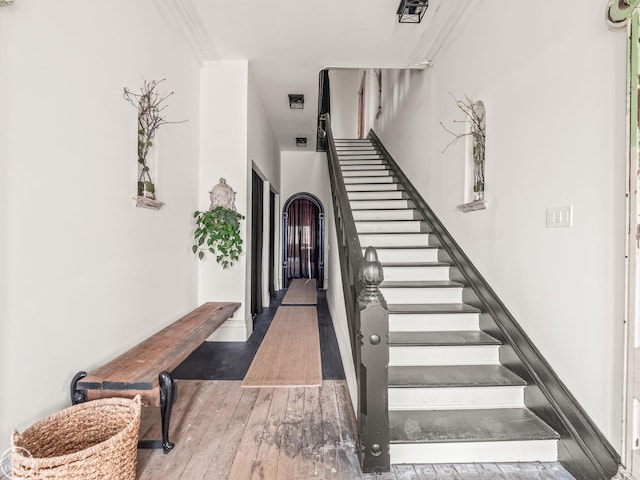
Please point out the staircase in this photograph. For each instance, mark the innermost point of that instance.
(450, 399)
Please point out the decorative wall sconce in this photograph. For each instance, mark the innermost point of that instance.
(412, 11)
(301, 142)
(296, 101)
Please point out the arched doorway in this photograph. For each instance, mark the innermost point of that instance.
(303, 238)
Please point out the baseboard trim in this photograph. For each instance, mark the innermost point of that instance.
(233, 330)
(583, 449)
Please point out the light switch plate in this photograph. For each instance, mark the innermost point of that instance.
(560, 217)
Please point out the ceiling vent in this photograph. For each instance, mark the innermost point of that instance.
(412, 11)
(296, 101)
(301, 142)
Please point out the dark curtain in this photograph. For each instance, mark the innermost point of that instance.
(302, 239)
(256, 244)
(272, 244)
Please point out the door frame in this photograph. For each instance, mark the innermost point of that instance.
(285, 224)
(620, 15)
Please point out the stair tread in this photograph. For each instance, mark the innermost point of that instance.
(362, 167)
(431, 308)
(482, 425)
(401, 247)
(385, 210)
(420, 284)
(453, 376)
(395, 180)
(393, 233)
(415, 264)
(449, 338)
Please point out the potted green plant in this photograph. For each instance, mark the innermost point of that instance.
(218, 232)
(150, 105)
(218, 229)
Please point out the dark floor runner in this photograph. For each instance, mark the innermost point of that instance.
(231, 360)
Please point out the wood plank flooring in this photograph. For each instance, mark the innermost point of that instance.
(223, 431)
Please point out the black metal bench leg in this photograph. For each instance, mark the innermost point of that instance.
(77, 396)
(168, 394)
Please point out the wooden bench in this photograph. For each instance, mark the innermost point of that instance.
(145, 370)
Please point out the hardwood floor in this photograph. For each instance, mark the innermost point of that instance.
(223, 431)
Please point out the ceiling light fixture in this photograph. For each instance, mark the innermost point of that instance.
(301, 142)
(5, 2)
(412, 11)
(296, 101)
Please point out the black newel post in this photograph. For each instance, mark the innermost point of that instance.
(373, 418)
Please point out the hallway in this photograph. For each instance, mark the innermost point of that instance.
(231, 360)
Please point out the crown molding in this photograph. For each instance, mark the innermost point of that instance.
(184, 19)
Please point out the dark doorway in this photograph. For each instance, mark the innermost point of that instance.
(272, 244)
(303, 239)
(257, 213)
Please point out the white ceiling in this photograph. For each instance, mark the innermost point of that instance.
(288, 42)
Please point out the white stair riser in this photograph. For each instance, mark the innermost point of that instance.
(356, 148)
(389, 227)
(443, 355)
(360, 163)
(434, 322)
(358, 156)
(400, 254)
(422, 295)
(363, 167)
(383, 215)
(389, 195)
(366, 173)
(450, 398)
(380, 204)
(416, 273)
(360, 143)
(404, 240)
(377, 187)
(352, 180)
(475, 452)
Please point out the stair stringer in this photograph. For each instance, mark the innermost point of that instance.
(582, 449)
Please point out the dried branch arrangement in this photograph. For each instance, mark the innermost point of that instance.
(150, 105)
(474, 117)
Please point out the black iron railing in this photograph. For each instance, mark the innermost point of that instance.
(368, 320)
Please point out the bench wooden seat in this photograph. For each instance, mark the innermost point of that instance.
(145, 369)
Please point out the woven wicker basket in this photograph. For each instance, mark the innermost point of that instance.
(92, 440)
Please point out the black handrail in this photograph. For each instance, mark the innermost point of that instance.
(351, 257)
(368, 320)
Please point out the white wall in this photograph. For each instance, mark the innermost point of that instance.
(223, 153)
(555, 107)
(336, 304)
(344, 87)
(262, 147)
(85, 274)
(235, 135)
(264, 153)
